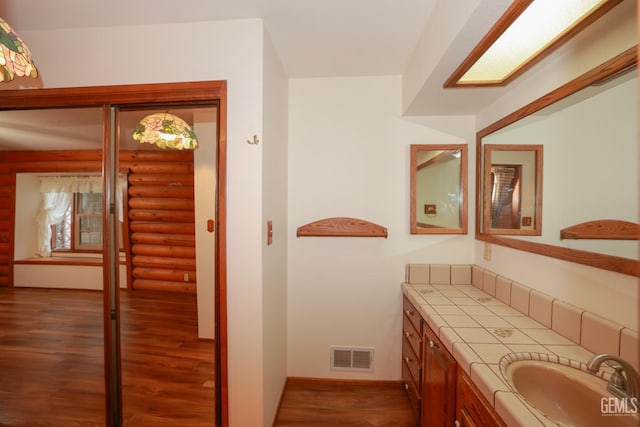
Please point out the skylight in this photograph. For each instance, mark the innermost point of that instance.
(528, 30)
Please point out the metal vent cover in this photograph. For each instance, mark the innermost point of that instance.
(352, 358)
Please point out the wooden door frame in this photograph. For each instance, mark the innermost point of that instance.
(205, 93)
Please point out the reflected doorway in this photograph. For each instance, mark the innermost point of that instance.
(505, 196)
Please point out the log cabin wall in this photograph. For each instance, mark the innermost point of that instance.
(162, 221)
(159, 230)
(7, 192)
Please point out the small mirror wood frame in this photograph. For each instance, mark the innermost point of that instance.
(512, 190)
(438, 189)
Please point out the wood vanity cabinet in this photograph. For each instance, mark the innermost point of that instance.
(472, 409)
(412, 355)
(441, 393)
(438, 382)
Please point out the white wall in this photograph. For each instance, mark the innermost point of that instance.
(608, 294)
(221, 50)
(27, 207)
(274, 205)
(204, 177)
(63, 276)
(439, 34)
(349, 156)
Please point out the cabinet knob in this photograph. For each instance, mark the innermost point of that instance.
(432, 344)
(409, 312)
(457, 423)
(407, 334)
(407, 359)
(406, 386)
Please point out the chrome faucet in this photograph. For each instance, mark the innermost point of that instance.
(624, 381)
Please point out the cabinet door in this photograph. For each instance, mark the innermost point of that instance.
(472, 409)
(438, 382)
(465, 420)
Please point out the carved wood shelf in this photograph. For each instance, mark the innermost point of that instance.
(611, 229)
(341, 227)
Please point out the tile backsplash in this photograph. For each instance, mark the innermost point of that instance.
(567, 320)
(590, 331)
(540, 306)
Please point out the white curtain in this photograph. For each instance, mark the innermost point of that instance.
(57, 194)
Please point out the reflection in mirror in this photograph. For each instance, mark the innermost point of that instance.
(166, 309)
(589, 130)
(438, 189)
(513, 190)
(50, 284)
(53, 338)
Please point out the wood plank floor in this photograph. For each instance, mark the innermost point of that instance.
(51, 360)
(333, 404)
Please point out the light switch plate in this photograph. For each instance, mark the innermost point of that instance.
(487, 251)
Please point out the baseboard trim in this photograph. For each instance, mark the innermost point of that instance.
(312, 380)
(284, 389)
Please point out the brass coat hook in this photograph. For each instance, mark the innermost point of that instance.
(255, 140)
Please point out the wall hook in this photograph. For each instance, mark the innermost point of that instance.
(255, 140)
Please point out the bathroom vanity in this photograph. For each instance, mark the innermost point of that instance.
(440, 392)
(464, 327)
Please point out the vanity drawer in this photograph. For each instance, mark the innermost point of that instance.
(412, 355)
(412, 314)
(412, 336)
(412, 391)
(413, 363)
(471, 406)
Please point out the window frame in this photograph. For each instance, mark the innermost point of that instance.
(75, 246)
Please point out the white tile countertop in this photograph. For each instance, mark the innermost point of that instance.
(479, 330)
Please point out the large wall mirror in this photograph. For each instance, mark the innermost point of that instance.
(111, 338)
(588, 129)
(438, 189)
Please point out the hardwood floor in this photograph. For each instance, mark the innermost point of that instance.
(51, 368)
(51, 360)
(332, 404)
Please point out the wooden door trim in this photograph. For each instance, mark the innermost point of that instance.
(186, 93)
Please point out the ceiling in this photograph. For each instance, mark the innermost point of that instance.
(312, 38)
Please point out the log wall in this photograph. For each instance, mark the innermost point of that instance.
(160, 225)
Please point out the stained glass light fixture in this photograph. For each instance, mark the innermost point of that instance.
(15, 58)
(165, 130)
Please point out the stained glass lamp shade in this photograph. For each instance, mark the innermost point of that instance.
(15, 58)
(165, 131)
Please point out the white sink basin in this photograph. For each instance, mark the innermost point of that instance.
(567, 395)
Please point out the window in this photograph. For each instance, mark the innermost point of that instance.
(81, 227)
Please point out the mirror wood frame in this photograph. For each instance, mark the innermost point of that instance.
(205, 93)
(487, 190)
(609, 69)
(462, 184)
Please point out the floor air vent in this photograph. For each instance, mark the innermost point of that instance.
(352, 358)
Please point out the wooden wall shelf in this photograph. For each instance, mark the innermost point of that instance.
(341, 227)
(611, 229)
